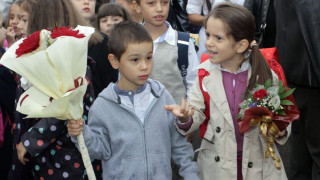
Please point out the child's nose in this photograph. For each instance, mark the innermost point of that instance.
(159, 7)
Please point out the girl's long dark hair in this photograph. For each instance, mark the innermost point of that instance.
(240, 25)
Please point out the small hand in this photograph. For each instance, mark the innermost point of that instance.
(75, 127)
(10, 36)
(2, 35)
(182, 112)
(21, 151)
(279, 135)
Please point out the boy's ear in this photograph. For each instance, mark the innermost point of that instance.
(113, 61)
(136, 6)
(242, 46)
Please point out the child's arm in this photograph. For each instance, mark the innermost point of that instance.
(183, 154)
(41, 135)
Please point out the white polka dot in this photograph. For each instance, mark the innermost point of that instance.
(59, 143)
(67, 157)
(26, 143)
(57, 165)
(65, 174)
(53, 128)
(43, 159)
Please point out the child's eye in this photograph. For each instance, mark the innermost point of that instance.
(134, 60)
(150, 2)
(165, 2)
(149, 58)
(207, 35)
(218, 38)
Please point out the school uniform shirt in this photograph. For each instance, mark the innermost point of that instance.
(170, 38)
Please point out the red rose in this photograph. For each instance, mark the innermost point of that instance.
(65, 31)
(29, 44)
(260, 94)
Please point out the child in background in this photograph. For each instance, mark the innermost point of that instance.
(86, 8)
(129, 130)
(132, 7)
(55, 157)
(110, 14)
(13, 33)
(235, 66)
(165, 50)
(2, 36)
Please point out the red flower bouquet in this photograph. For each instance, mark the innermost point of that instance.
(270, 107)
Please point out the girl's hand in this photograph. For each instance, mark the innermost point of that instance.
(10, 36)
(2, 35)
(182, 112)
(21, 151)
(75, 127)
(280, 134)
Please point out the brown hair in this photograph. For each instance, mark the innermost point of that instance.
(112, 9)
(240, 25)
(56, 13)
(124, 33)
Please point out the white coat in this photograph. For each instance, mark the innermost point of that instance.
(217, 158)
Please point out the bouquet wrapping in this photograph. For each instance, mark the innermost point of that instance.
(53, 63)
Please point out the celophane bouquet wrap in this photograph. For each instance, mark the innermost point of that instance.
(270, 107)
(54, 62)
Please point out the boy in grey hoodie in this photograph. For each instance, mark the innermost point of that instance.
(129, 129)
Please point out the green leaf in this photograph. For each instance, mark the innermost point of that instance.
(239, 116)
(281, 112)
(268, 83)
(282, 89)
(286, 93)
(280, 84)
(286, 102)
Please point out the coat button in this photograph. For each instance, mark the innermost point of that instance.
(218, 129)
(250, 164)
(217, 158)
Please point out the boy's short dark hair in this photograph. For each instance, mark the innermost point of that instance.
(124, 33)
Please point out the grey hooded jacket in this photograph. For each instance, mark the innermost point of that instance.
(132, 150)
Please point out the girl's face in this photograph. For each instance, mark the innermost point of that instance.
(86, 8)
(107, 22)
(14, 18)
(222, 48)
(23, 24)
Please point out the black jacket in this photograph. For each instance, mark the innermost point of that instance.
(298, 40)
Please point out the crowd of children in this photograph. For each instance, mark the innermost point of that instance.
(144, 94)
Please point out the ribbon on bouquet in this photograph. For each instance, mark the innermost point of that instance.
(268, 129)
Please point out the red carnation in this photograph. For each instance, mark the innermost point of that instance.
(65, 31)
(260, 94)
(28, 45)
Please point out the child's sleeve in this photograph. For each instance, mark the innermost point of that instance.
(193, 62)
(197, 101)
(40, 136)
(183, 154)
(96, 136)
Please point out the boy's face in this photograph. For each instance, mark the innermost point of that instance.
(154, 12)
(23, 24)
(135, 65)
